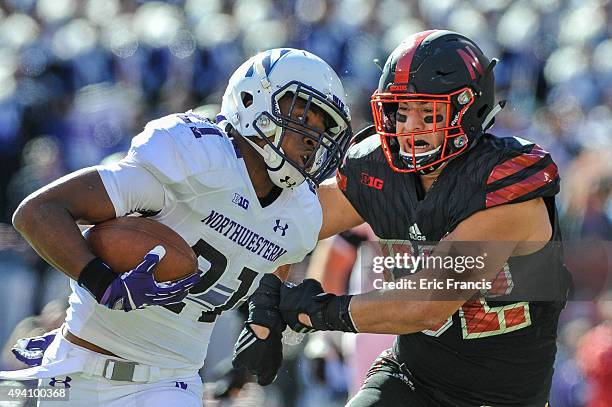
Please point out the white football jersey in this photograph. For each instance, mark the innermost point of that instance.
(190, 174)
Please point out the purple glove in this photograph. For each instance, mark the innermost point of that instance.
(137, 288)
(31, 350)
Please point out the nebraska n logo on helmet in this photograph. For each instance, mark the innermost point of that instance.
(445, 70)
(251, 106)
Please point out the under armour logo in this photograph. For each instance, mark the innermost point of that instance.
(181, 385)
(65, 383)
(287, 181)
(278, 227)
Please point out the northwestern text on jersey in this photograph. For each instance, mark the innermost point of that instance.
(243, 236)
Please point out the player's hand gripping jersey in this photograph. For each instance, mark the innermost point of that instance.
(472, 358)
(186, 173)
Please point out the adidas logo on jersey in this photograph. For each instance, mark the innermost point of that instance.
(414, 233)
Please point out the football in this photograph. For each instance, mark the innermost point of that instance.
(123, 242)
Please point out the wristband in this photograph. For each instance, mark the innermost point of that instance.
(263, 303)
(337, 315)
(95, 277)
(269, 284)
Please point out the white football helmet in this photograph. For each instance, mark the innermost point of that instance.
(250, 105)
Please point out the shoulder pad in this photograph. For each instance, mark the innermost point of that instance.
(363, 147)
(180, 145)
(363, 134)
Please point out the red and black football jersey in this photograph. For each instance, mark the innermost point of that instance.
(493, 350)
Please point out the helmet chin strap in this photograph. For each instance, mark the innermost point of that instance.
(488, 120)
(286, 176)
(281, 172)
(431, 169)
(408, 158)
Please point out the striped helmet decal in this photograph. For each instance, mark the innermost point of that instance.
(402, 66)
(268, 61)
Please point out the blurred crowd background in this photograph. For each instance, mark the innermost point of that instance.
(80, 78)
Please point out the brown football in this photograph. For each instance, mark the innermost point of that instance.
(123, 242)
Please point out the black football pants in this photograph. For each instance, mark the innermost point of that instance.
(390, 384)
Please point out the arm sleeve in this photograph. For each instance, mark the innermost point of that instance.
(131, 188)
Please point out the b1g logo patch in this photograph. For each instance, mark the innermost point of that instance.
(241, 201)
(371, 181)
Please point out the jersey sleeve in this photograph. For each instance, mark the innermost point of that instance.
(177, 147)
(359, 176)
(521, 174)
(346, 180)
(168, 152)
(131, 188)
(312, 209)
(156, 150)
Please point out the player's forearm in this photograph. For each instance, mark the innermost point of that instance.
(51, 230)
(414, 308)
(283, 272)
(386, 312)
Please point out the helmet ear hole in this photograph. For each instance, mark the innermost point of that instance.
(247, 99)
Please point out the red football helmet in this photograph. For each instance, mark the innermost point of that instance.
(445, 75)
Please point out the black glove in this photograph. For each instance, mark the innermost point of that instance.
(262, 357)
(327, 312)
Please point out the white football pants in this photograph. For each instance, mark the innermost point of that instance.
(82, 372)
